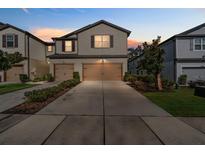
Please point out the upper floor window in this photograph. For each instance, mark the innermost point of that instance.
(199, 44)
(9, 41)
(50, 48)
(68, 46)
(102, 41)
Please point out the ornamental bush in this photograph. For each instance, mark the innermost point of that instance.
(23, 78)
(129, 77)
(76, 76)
(182, 79)
(45, 93)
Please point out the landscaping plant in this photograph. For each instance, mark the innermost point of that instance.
(153, 61)
(182, 79)
(45, 93)
(23, 78)
(7, 60)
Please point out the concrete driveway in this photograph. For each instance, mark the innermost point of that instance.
(100, 113)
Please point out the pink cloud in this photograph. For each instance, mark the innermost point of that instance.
(47, 33)
(132, 43)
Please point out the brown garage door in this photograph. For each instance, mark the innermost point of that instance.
(63, 72)
(109, 71)
(12, 75)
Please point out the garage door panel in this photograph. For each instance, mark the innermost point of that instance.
(63, 72)
(102, 71)
(194, 73)
(12, 75)
(112, 72)
(92, 72)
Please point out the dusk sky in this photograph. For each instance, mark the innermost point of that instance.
(145, 24)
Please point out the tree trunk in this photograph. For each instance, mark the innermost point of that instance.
(159, 82)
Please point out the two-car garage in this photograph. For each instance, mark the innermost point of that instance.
(90, 71)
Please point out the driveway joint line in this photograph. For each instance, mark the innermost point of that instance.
(103, 113)
(53, 131)
(152, 130)
(190, 125)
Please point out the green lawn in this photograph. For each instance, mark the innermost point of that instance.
(181, 102)
(6, 88)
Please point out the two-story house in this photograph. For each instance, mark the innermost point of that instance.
(13, 39)
(97, 51)
(185, 54)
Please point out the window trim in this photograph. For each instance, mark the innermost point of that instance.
(201, 38)
(13, 35)
(102, 41)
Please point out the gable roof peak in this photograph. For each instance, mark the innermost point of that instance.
(192, 29)
(92, 25)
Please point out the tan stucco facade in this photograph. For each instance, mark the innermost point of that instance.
(78, 63)
(83, 48)
(83, 44)
(31, 48)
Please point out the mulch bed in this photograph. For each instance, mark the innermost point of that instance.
(33, 107)
(145, 89)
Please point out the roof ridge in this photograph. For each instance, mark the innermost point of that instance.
(192, 29)
(93, 24)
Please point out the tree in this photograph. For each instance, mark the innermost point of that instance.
(153, 61)
(7, 60)
(4, 61)
(134, 52)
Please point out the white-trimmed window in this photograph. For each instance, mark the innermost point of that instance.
(10, 40)
(68, 46)
(50, 48)
(102, 41)
(199, 44)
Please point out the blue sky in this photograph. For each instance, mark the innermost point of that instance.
(145, 24)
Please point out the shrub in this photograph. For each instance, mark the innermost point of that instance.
(150, 79)
(168, 85)
(49, 77)
(43, 94)
(37, 79)
(76, 76)
(23, 78)
(129, 77)
(182, 79)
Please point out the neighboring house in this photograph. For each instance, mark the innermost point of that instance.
(185, 54)
(13, 39)
(134, 64)
(97, 51)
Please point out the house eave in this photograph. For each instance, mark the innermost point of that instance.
(75, 56)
